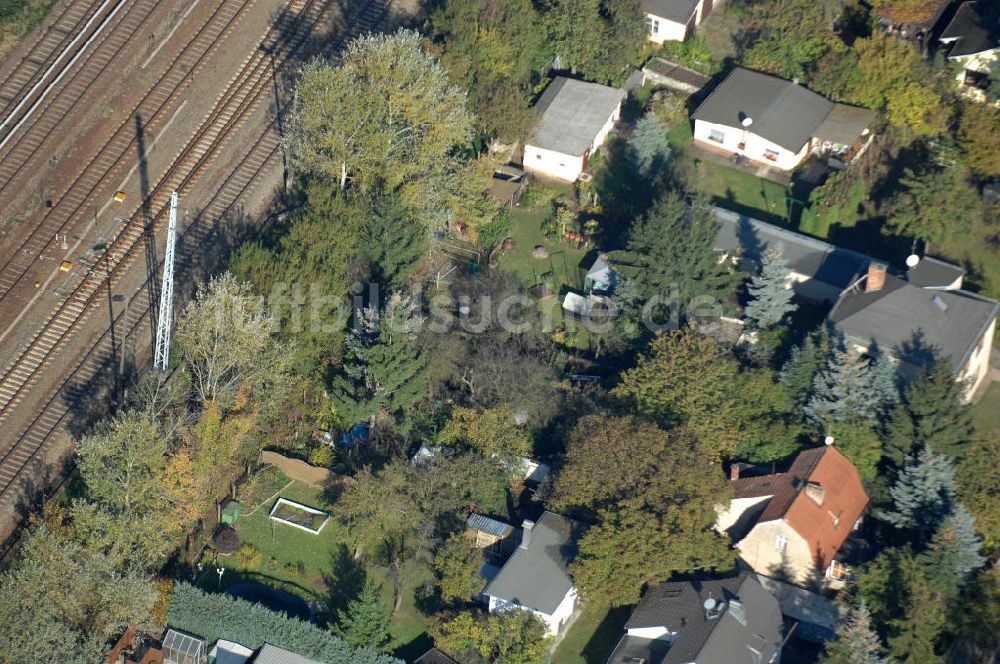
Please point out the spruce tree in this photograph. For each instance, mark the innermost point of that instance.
(671, 250)
(923, 495)
(383, 369)
(805, 361)
(852, 386)
(931, 413)
(649, 145)
(953, 553)
(365, 620)
(856, 642)
(771, 298)
(392, 240)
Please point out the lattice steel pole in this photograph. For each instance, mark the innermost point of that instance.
(161, 354)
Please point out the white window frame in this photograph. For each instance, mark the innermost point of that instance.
(780, 542)
(771, 155)
(717, 135)
(652, 25)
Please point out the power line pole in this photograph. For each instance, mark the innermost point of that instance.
(161, 355)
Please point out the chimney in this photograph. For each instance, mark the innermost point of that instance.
(876, 277)
(526, 533)
(734, 472)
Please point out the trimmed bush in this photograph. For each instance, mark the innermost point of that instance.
(226, 541)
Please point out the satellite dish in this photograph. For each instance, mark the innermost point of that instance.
(828, 440)
(746, 122)
(912, 260)
(709, 604)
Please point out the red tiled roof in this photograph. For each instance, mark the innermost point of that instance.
(826, 525)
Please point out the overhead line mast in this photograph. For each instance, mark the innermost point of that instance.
(161, 354)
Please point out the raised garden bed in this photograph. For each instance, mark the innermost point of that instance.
(299, 516)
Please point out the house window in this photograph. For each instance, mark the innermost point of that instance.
(770, 155)
(717, 136)
(652, 25)
(780, 542)
(538, 156)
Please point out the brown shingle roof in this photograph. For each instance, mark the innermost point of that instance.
(921, 13)
(824, 525)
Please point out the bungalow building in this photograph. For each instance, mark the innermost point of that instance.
(919, 318)
(972, 42)
(820, 271)
(674, 20)
(792, 524)
(535, 577)
(712, 621)
(574, 119)
(777, 123)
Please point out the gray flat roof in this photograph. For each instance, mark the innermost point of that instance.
(274, 655)
(535, 577)
(916, 324)
(487, 525)
(807, 256)
(635, 648)
(680, 11)
(844, 124)
(933, 273)
(782, 112)
(572, 113)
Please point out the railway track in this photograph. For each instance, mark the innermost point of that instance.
(242, 97)
(50, 45)
(109, 162)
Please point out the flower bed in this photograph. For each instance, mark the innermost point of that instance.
(298, 515)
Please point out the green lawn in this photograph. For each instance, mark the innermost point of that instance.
(824, 222)
(592, 637)
(743, 192)
(986, 412)
(562, 267)
(315, 567)
(732, 188)
(291, 559)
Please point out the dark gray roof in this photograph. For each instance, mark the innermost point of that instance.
(274, 655)
(434, 656)
(675, 10)
(782, 111)
(974, 29)
(635, 648)
(679, 607)
(844, 124)
(535, 577)
(808, 256)
(572, 112)
(916, 324)
(487, 525)
(933, 273)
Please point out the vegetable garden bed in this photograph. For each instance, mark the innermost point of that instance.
(298, 515)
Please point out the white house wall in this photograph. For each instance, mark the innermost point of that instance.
(606, 129)
(554, 621)
(755, 147)
(978, 366)
(728, 515)
(667, 30)
(987, 62)
(759, 551)
(553, 164)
